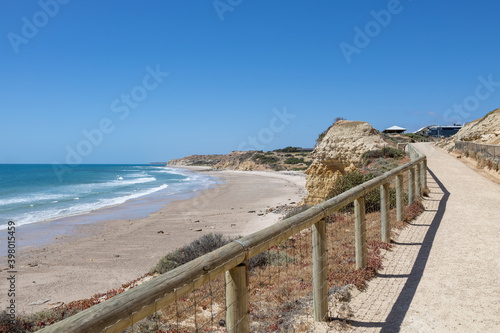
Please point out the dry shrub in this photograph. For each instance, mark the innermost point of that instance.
(203, 245)
(489, 164)
(412, 211)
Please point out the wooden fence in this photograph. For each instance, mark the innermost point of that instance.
(491, 152)
(122, 311)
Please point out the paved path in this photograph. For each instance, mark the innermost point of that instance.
(444, 274)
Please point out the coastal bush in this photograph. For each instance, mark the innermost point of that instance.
(264, 159)
(353, 179)
(276, 167)
(382, 165)
(412, 211)
(270, 257)
(386, 152)
(197, 248)
(14, 326)
(416, 137)
(294, 160)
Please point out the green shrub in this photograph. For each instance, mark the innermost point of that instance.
(264, 159)
(294, 160)
(382, 165)
(416, 137)
(353, 179)
(386, 152)
(197, 248)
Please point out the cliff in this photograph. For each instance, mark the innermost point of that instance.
(339, 151)
(482, 130)
(197, 160)
(290, 158)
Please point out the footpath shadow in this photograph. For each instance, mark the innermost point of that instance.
(398, 312)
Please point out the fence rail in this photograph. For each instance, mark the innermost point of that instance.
(488, 151)
(122, 311)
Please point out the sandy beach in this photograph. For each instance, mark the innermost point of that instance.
(97, 257)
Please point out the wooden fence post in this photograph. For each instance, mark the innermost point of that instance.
(411, 185)
(320, 273)
(237, 299)
(418, 185)
(423, 174)
(360, 232)
(385, 202)
(399, 198)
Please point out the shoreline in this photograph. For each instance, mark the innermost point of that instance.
(37, 234)
(99, 256)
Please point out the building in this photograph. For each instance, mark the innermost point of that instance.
(443, 131)
(394, 130)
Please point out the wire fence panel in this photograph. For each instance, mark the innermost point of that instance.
(280, 282)
(479, 150)
(202, 310)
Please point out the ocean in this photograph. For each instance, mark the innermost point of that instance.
(33, 193)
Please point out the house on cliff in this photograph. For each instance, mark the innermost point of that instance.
(394, 130)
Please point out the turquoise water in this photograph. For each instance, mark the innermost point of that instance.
(31, 193)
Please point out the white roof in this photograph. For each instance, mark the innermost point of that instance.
(395, 128)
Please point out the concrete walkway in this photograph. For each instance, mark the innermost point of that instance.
(444, 273)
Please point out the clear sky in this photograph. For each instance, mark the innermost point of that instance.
(140, 81)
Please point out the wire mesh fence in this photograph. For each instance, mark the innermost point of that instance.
(491, 152)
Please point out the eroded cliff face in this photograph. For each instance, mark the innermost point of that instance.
(239, 160)
(339, 152)
(483, 130)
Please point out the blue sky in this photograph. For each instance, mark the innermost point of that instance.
(139, 81)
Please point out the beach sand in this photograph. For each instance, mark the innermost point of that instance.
(97, 257)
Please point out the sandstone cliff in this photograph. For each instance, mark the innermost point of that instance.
(290, 158)
(338, 152)
(483, 130)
